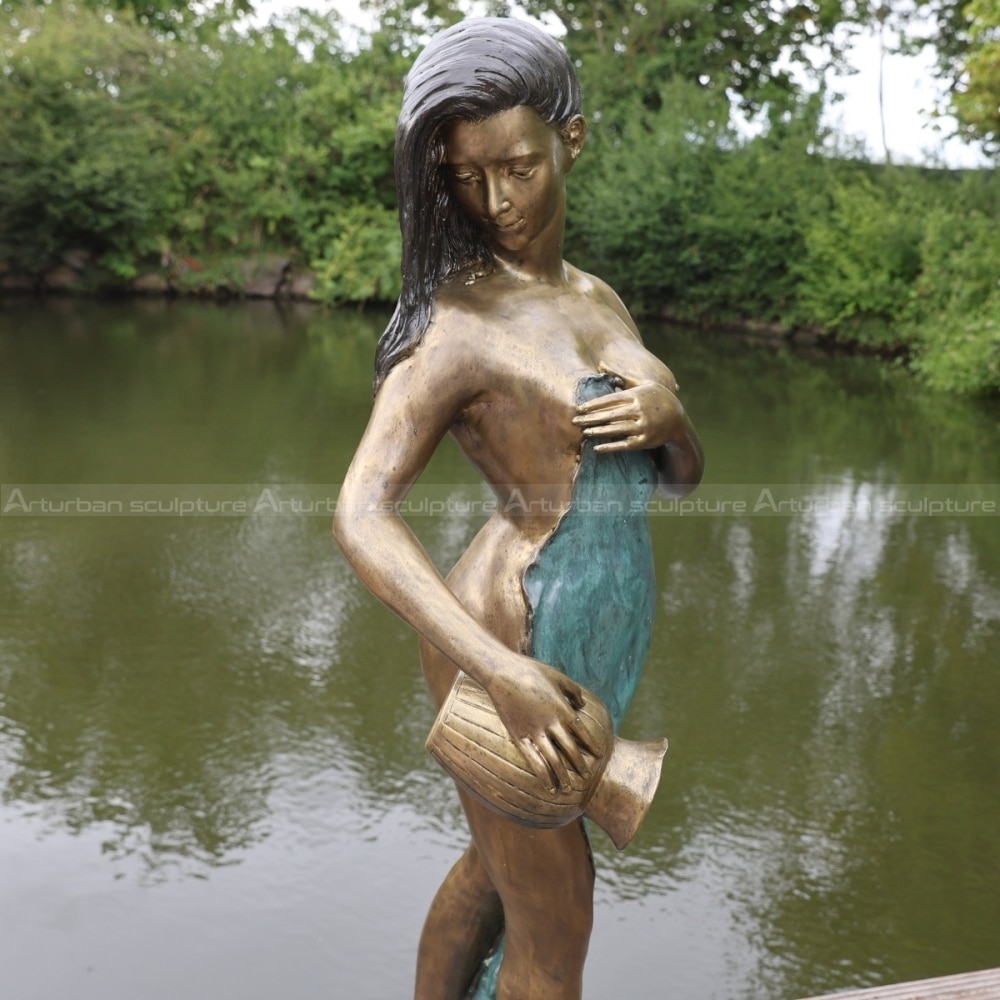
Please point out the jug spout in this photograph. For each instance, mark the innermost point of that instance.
(625, 790)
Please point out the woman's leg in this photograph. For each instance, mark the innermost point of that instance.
(463, 924)
(545, 879)
(466, 916)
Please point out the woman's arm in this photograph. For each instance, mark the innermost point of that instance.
(412, 412)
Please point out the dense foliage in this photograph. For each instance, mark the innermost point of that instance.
(140, 147)
(155, 140)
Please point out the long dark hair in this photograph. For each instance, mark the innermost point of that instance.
(477, 68)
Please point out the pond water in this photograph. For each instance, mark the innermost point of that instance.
(211, 737)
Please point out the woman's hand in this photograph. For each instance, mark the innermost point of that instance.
(540, 708)
(643, 414)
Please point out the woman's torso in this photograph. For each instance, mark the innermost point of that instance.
(532, 348)
(532, 353)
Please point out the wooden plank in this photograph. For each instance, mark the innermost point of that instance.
(983, 985)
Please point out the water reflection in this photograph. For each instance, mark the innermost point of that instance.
(842, 788)
(182, 695)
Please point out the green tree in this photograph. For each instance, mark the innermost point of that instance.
(405, 25)
(736, 47)
(167, 17)
(343, 164)
(955, 314)
(129, 144)
(977, 103)
(84, 155)
(630, 47)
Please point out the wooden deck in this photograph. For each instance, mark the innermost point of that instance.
(983, 985)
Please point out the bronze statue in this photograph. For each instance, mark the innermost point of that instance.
(538, 372)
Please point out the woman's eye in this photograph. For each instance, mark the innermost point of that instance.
(522, 173)
(465, 178)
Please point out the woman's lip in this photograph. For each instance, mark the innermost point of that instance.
(512, 227)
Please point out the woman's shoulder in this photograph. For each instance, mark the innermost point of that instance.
(452, 356)
(590, 284)
(470, 309)
(460, 298)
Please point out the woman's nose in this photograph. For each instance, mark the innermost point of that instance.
(497, 202)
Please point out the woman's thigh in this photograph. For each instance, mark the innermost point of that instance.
(545, 879)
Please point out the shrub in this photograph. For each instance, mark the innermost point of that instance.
(862, 258)
(363, 255)
(83, 156)
(955, 314)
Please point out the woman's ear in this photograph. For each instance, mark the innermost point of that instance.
(574, 134)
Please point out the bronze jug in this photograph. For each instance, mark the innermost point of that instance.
(471, 743)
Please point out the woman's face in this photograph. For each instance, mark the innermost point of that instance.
(508, 173)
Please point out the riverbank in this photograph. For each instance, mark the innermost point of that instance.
(774, 333)
(80, 272)
(279, 277)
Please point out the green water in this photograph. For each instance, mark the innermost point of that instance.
(211, 738)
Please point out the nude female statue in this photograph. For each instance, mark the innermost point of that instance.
(538, 372)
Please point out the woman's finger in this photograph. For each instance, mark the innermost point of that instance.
(573, 693)
(634, 442)
(536, 762)
(601, 403)
(583, 739)
(556, 761)
(578, 759)
(605, 416)
(618, 428)
(630, 382)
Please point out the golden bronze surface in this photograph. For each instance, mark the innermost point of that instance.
(492, 336)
